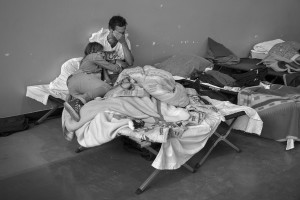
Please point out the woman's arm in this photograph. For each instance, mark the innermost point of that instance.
(122, 63)
(100, 61)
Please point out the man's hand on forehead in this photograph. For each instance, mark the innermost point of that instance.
(117, 34)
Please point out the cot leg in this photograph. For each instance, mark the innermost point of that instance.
(147, 181)
(46, 115)
(188, 167)
(220, 138)
(151, 150)
(80, 149)
(223, 138)
(232, 145)
(207, 154)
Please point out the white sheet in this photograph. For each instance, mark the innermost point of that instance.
(41, 93)
(68, 68)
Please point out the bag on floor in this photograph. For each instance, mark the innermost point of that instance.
(14, 124)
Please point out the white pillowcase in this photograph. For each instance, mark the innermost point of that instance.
(68, 68)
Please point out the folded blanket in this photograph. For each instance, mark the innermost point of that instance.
(261, 99)
(264, 47)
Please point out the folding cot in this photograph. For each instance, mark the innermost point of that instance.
(43, 94)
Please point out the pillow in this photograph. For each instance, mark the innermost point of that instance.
(184, 65)
(68, 68)
(218, 54)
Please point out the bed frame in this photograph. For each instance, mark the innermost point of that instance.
(220, 135)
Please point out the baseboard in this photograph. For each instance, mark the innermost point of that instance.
(10, 125)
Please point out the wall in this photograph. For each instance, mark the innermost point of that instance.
(38, 36)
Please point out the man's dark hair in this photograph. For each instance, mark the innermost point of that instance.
(116, 21)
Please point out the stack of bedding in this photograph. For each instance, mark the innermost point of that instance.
(260, 50)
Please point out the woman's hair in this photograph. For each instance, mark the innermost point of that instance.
(116, 21)
(92, 47)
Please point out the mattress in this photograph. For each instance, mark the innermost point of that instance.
(42, 93)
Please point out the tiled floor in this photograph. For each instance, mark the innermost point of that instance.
(40, 164)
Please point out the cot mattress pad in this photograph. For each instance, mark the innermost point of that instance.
(41, 93)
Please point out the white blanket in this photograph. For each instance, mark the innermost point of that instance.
(101, 121)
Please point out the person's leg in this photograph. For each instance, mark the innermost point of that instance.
(74, 104)
(73, 107)
(92, 87)
(84, 88)
(99, 91)
(74, 86)
(87, 87)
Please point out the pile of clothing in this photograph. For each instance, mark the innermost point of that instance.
(284, 57)
(281, 56)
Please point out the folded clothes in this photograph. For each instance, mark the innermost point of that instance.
(264, 47)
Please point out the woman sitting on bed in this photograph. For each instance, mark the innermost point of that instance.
(91, 80)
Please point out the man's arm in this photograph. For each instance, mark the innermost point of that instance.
(127, 53)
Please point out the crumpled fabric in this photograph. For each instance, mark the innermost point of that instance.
(286, 51)
(282, 57)
(158, 83)
(218, 54)
(292, 79)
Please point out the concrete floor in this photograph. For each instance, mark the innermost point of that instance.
(40, 164)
